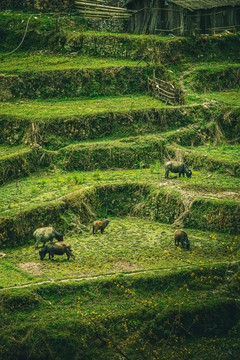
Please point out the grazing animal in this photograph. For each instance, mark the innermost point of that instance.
(56, 248)
(99, 225)
(46, 234)
(176, 167)
(180, 236)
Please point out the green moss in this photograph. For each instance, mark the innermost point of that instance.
(22, 163)
(103, 81)
(214, 78)
(220, 215)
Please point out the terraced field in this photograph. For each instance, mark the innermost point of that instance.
(83, 138)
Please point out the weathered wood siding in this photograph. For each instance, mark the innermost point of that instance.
(159, 17)
(153, 15)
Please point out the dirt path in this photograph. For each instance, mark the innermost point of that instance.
(130, 273)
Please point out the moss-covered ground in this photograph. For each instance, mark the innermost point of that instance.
(83, 138)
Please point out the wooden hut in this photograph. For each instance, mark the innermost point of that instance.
(184, 17)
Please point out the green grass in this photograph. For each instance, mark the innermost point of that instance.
(230, 98)
(127, 245)
(225, 97)
(223, 157)
(18, 63)
(6, 150)
(228, 152)
(90, 316)
(43, 187)
(47, 109)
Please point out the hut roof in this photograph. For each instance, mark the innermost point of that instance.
(201, 4)
(205, 4)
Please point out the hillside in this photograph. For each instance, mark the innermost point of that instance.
(85, 133)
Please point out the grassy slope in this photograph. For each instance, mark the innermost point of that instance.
(102, 312)
(43, 187)
(129, 245)
(18, 63)
(35, 109)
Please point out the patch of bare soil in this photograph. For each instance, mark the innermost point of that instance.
(32, 267)
(126, 266)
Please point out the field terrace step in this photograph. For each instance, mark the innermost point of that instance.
(56, 123)
(214, 77)
(128, 153)
(72, 36)
(134, 198)
(224, 158)
(18, 161)
(46, 186)
(71, 77)
(136, 243)
(163, 296)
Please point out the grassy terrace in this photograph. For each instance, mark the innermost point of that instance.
(225, 97)
(225, 158)
(22, 62)
(228, 152)
(130, 293)
(128, 245)
(47, 109)
(40, 188)
(64, 108)
(8, 150)
(111, 309)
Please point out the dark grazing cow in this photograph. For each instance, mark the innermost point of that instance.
(177, 167)
(180, 236)
(56, 248)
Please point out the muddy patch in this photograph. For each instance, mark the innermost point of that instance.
(126, 266)
(32, 267)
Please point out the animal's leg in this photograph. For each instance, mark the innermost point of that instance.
(166, 173)
(102, 230)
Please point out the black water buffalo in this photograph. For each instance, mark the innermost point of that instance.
(177, 167)
(56, 248)
(46, 234)
(180, 236)
(99, 225)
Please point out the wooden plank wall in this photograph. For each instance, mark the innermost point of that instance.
(153, 16)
